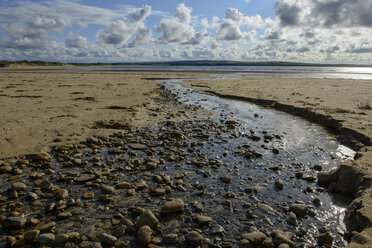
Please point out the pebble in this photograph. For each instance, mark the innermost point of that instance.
(14, 223)
(19, 186)
(254, 238)
(299, 209)
(325, 239)
(31, 236)
(204, 220)
(144, 236)
(46, 239)
(173, 206)
(194, 239)
(123, 185)
(170, 238)
(108, 239)
(292, 219)
(147, 218)
(107, 190)
(62, 194)
(226, 179)
(279, 184)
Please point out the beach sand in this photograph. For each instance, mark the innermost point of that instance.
(44, 108)
(39, 109)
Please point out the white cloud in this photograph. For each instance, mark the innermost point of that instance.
(76, 41)
(176, 29)
(119, 32)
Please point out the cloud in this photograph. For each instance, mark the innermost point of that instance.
(199, 38)
(176, 29)
(76, 42)
(229, 31)
(142, 37)
(324, 13)
(119, 32)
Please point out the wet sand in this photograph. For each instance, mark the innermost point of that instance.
(53, 108)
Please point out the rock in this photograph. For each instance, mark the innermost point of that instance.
(268, 243)
(11, 241)
(194, 239)
(292, 219)
(325, 239)
(31, 236)
(174, 206)
(62, 194)
(225, 179)
(108, 239)
(284, 246)
(245, 244)
(107, 190)
(204, 220)
(19, 186)
(32, 196)
(144, 236)
(141, 184)
(61, 239)
(299, 209)
(317, 202)
(279, 184)
(46, 185)
(46, 239)
(255, 238)
(73, 236)
(131, 192)
(5, 169)
(147, 219)
(47, 227)
(281, 237)
(14, 223)
(170, 238)
(123, 185)
(89, 195)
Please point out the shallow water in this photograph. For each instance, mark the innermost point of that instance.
(301, 144)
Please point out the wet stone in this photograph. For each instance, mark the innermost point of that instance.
(173, 206)
(255, 238)
(14, 222)
(299, 209)
(107, 190)
(144, 235)
(46, 239)
(108, 239)
(204, 220)
(147, 218)
(19, 186)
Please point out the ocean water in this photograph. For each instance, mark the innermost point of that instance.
(357, 73)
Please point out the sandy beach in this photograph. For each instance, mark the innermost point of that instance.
(42, 109)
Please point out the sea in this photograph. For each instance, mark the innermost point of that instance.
(357, 73)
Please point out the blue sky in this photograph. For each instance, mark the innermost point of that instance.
(326, 31)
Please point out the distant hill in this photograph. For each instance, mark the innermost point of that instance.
(5, 63)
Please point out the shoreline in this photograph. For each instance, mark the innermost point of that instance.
(356, 173)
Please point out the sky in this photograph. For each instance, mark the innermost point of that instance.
(316, 31)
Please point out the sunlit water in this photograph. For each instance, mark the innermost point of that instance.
(357, 73)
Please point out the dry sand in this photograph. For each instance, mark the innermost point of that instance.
(344, 106)
(39, 109)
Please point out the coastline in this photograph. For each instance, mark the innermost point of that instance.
(67, 109)
(342, 106)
